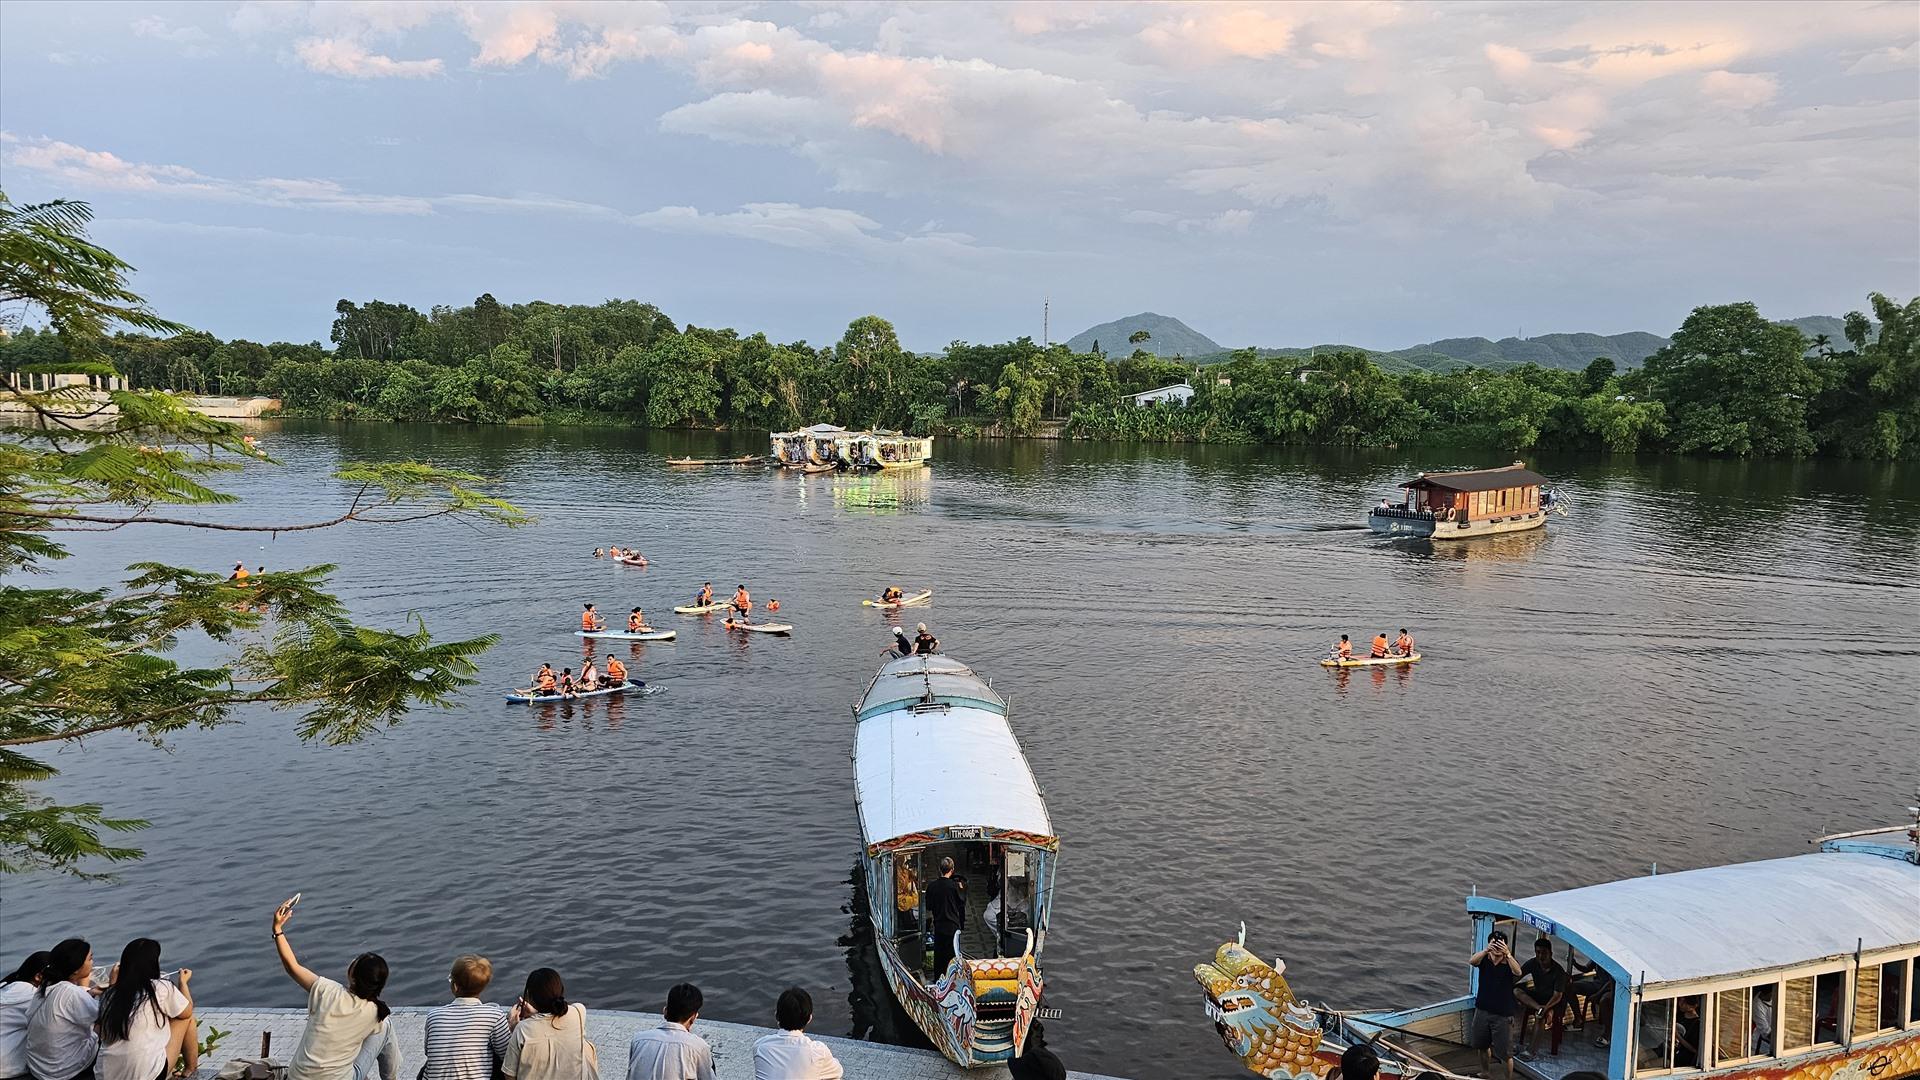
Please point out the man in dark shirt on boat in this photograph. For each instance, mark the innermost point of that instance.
(924, 643)
(1541, 997)
(947, 905)
(1491, 1028)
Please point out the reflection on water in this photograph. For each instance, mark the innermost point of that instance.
(877, 1015)
(1691, 668)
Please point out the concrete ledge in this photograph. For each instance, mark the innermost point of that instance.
(610, 1032)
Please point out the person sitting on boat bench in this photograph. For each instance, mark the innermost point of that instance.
(1403, 645)
(924, 643)
(590, 621)
(1491, 1028)
(1591, 985)
(947, 905)
(1380, 646)
(1541, 999)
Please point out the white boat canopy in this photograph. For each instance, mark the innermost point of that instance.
(1727, 920)
(934, 755)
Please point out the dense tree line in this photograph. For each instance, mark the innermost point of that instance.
(1729, 383)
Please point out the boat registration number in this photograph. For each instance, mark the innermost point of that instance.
(1213, 1012)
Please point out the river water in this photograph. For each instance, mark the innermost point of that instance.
(1707, 661)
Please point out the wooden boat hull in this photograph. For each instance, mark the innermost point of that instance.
(623, 635)
(822, 468)
(549, 699)
(697, 609)
(762, 628)
(918, 599)
(1427, 528)
(1371, 661)
(685, 463)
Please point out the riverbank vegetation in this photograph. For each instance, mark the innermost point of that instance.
(1730, 382)
(82, 663)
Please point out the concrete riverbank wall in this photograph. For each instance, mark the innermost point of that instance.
(609, 1032)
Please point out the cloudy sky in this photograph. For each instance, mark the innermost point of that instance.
(1380, 174)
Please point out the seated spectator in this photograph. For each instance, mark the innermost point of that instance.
(1592, 985)
(146, 1022)
(340, 1019)
(19, 992)
(1036, 1062)
(1540, 999)
(791, 1054)
(1359, 1062)
(61, 1041)
(549, 1035)
(466, 1038)
(1763, 1020)
(672, 1051)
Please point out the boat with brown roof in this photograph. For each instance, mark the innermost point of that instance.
(1460, 505)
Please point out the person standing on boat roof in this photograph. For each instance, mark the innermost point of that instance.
(1403, 645)
(924, 643)
(1491, 1028)
(1380, 645)
(947, 904)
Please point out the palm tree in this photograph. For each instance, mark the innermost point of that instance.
(1824, 344)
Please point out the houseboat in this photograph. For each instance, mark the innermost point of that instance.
(890, 450)
(1458, 505)
(938, 774)
(821, 444)
(1801, 968)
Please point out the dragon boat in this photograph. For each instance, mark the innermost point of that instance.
(1799, 968)
(938, 774)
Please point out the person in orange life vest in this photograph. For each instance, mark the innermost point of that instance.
(1380, 645)
(590, 621)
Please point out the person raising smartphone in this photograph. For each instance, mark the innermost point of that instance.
(339, 1018)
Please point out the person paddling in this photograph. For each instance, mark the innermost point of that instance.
(1380, 646)
(590, 621)
(742, 603)
(544, 682)
(1403, 645)
(616, 672)
(704, 598)
(637, 622)
(1343, 649)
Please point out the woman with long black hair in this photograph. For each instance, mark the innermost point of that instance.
(61, 1043)
(18, 993)
(340, 1019)
(146, 1022)
(549, 1040)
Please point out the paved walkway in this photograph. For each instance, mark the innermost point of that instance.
(610, 1032)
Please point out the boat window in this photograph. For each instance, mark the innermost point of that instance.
(1880, 1010)
(1913, 994)
(1796, 1014)
(1743, 1022)
(1669, 1034)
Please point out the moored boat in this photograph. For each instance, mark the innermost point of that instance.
(1460, 505)
(938, 774)
(684, 463)
(1799, 968)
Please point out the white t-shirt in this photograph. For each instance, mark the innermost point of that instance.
(60, 1039)
(142, 1055)
(791, 1055)
(17, 1000)
(337, 1024)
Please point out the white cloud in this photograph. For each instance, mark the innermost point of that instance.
(1892, 58)
(350, 60)
(191, 40)
(1737, 91)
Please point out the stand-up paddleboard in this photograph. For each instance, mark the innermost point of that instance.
(622, 635)
(750, 459)
(697, 609)
(761, 628)
(631, 562)
(1371, 661)
(925, 596)
(521, 697)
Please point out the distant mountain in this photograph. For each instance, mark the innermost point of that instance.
(1171, 337)
(1568, 352)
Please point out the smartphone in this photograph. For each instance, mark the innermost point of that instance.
(294, 902)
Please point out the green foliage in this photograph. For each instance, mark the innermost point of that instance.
(1735, 384)
(76, 664)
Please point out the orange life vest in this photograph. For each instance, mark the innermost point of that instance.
(742, 601)
(1404, 643)
(616, 672)
(1346, 649)
(586, 620)
(1380, 645)
(635, 622)
(546, 681)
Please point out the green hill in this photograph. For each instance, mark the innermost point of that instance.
(1171, 337)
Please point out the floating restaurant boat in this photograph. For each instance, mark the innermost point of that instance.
(938, 774)
(824, 446)
(890, 450)
(818, 445)
(1458, 505)
(1802, 968)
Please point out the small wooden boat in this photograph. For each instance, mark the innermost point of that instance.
(760, 628)
(623, 635)
(688, 462)
(818, 468)
(1372, 661)
(697, 609)
(925, 596)
(522, 697)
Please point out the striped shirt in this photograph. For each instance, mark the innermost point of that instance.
(465, 1038)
